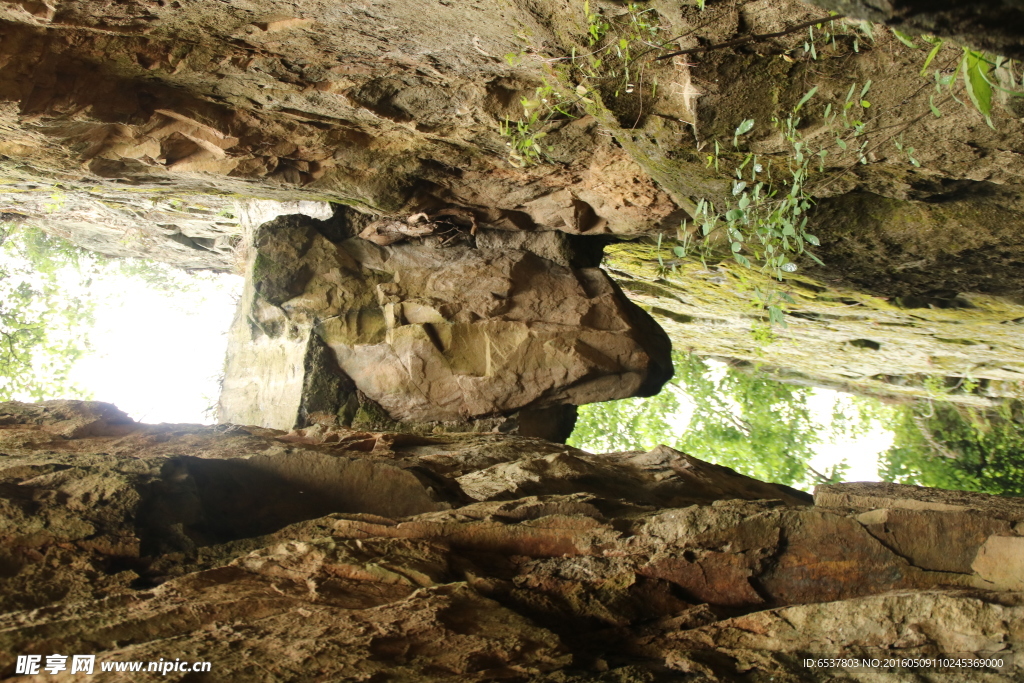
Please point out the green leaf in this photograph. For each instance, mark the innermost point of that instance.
(742, 260)
(812, 239)
(679, 251)
(931, 56)
(745, 127)
(864, 90)
(803, 100)
(868, 30)
(990, 81)
(865, 104)
(975, 68)
(734, 215)
(935, 110)
(736, 246)
(904, 38)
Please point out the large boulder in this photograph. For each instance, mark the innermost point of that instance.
(430, 332)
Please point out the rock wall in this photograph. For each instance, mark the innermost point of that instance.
(145, 129)
(388, 107)
(348, 555)
(452, 328)
(387, 112)
(963, 348)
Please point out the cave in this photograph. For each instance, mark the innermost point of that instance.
(463, 228)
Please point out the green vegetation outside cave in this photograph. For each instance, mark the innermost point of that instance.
(47, 306)
(766, 429)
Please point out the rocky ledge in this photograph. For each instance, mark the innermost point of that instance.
(334, 554)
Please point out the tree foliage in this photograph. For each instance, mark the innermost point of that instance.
(767, 429)
(758, 426)
(952, 447)
(44, 314)
(48, 304)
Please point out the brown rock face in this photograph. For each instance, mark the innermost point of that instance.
(132, 126)
(381, 108)
(431, 331)
(346, 555)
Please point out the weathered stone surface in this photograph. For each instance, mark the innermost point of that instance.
(132, 127)
(1000, 563)
(962, 535)
(902, 625)
(429, 332)
(195, 232)
(974, 532)
(871, 496)
(837, 336)
(347, 555)
(67, 419)
(286, 102)
(663, 477)
(257, 623)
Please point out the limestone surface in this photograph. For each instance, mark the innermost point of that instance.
(335, 554)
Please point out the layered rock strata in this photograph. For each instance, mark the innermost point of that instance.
(450, 328)
(133, 128)
(350, 555)
(383, 107)
(963, 348)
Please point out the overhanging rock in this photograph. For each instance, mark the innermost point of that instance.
(421, 333)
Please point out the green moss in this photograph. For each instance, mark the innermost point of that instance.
(711, 311)
(371, 417)
(264, 267)
(348, 411)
